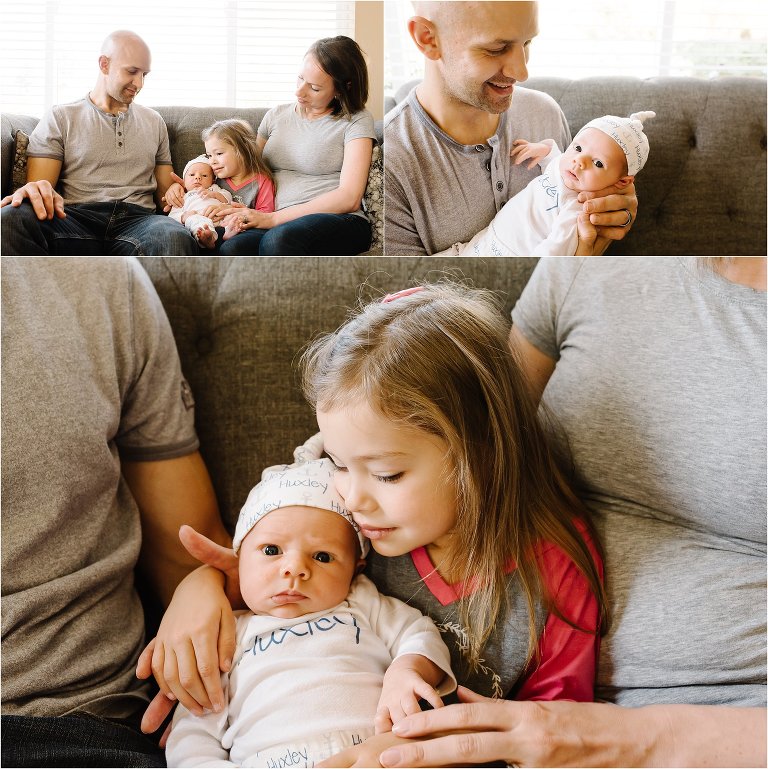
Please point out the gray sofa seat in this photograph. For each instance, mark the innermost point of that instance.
(703, 190)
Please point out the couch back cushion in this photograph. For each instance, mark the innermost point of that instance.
(241, 323)
(186, 124)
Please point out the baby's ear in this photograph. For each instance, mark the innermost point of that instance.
(625, 181)
(360, 566)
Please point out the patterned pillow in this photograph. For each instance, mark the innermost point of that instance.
(373, 199)
(19, 170)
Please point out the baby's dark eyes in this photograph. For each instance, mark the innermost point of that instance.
(323, 557)
(599, 164)
(270, 550)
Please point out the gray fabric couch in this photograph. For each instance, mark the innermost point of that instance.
(241, 323)
(185, 124)
(703, 190)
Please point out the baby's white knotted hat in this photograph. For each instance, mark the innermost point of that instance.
(305, 483)
(198, 159)
(627, 132)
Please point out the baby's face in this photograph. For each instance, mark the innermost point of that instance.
(592, 162)
(297, 560)
(199, 176)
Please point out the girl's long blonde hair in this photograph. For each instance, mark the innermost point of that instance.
(438, 360)
(242, 138)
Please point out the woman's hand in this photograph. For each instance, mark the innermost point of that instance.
(481, 730)
(579, 734)
(365, 754)
(217, 213)
(246, 219)
(210, 211)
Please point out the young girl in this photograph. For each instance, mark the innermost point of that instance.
(445, 467)
(232, 148)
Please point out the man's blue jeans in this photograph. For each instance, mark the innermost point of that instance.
(311, 235)
(75, 740)
(94, 229)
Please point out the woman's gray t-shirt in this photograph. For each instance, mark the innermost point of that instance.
(306, 155)
(660, 387)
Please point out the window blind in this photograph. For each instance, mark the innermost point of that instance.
(225, 53)
(698, 38)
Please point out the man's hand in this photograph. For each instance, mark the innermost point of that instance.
(196, 641)
(587, 243)
(613, 212)
(45, 201)
(218, 557)
(174, 195)
(197, 634)
(524, 150)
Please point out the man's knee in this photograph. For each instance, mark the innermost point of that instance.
(21, 232)
(181, 242)
(166, 237)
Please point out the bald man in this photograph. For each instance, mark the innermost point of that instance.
(96, 169)
(448, 169)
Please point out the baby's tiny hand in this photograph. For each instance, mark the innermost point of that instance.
(211, 209)
(525, 150)
(400, 697)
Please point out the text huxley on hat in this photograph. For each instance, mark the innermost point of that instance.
(304, 484)
(627, 132)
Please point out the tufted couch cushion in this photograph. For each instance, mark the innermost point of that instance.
(703, 190)
(241, 323)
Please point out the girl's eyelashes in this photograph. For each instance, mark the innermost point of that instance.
(389, 478)
(383, 478)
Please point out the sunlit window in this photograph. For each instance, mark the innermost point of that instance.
(696, 38)
(225, 53)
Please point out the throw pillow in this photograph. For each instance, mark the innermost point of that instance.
(373, 199)
(19, 170)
